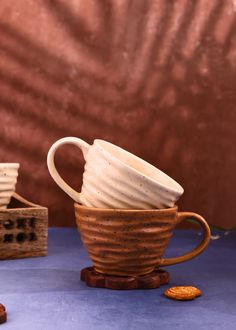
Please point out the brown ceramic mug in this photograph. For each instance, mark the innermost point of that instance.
(132, 242)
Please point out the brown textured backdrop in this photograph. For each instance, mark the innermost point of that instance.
(155, 77)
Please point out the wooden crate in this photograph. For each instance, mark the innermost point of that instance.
(23, 229)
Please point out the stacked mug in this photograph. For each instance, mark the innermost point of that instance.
(126, 211)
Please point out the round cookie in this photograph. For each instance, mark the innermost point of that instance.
(182, 292)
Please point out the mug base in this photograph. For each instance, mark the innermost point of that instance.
(152, 280)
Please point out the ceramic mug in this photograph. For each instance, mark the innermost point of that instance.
(8, 179)
(132, 242)
(115, 178)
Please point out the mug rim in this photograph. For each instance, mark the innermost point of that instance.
(179, 191)
(97, 209)
(11, 165)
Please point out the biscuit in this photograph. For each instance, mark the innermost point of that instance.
(183, 292)
(3, 314)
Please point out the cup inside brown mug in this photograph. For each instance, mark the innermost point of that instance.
(132, 242)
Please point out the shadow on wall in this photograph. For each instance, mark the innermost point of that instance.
(155, 77)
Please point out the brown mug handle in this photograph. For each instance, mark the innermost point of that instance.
(199, 248)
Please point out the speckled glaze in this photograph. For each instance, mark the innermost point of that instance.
(115, 178)
(8, 179)
(132, 242)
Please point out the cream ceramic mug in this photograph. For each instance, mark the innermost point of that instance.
(115, 178)
(8, 179)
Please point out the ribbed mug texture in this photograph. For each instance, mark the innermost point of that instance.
(125, 242)
(8, 179)
(115, 178)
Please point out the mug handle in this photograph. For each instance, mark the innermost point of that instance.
(199, 248)
(52, 168)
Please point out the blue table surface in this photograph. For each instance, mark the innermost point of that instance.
(46, 293)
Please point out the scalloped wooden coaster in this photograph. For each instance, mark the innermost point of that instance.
(3, 314)
(150, 281)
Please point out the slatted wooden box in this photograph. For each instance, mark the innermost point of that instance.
(23, 229)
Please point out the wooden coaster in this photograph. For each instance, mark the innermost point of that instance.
(150, 281)
(3, 314)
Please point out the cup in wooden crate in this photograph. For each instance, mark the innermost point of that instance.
(8, 180)
(23, 229)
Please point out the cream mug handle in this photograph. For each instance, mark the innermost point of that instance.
(52, 168)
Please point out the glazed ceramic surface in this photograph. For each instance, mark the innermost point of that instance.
(8, 179)
(115, 178)
(132, 242)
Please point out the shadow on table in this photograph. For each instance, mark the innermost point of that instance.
(39, 280)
